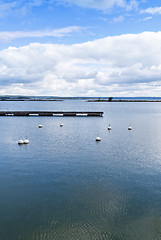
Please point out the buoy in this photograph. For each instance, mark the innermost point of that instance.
(26, 141)
(61, 124)
(20, 141)
(40, 126)
(129, 128)
(109, 127)
(98, 139)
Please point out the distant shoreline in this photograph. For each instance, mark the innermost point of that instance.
(44, 99)
(60, 100)
(30, 100)
(124, 100)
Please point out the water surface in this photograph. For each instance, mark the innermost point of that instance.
(65, 185)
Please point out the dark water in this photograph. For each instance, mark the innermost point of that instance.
(66, 186)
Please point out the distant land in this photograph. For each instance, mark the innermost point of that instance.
(88, 99)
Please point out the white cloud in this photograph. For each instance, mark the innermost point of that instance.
(7, 8)
(6, 36)
(103, 19)
(19, 7)
(102, 4)
(118, 19)
(152, 11)
(147, 18)
(121, 65)
(35, 3)
(22, 7)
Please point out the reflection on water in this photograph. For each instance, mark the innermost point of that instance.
(65, 185)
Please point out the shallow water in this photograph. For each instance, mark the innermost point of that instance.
(65, 185)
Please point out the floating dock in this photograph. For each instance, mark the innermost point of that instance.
(50, 114)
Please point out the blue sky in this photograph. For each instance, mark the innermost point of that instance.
(107, 18)
(69, 33)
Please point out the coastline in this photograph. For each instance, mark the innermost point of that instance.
(86, 99)
(30, 100)
(57, 100)
(124, 101)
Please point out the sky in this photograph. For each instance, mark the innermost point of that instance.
(91, 48)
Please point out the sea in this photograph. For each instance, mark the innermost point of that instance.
(64, 185)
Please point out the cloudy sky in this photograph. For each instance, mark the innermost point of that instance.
(80, 47)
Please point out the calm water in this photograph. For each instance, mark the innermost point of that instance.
(66, 186)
